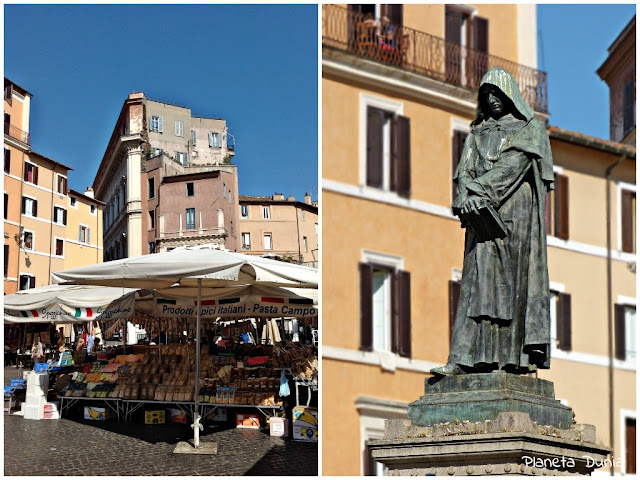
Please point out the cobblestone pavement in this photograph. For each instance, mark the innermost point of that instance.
(79, 447)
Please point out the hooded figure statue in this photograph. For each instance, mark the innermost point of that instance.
(502, 321)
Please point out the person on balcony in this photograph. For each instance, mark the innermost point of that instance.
(388, 34)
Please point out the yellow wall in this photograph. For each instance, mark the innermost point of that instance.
(78, 254)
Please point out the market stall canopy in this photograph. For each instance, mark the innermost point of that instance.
(232, 302)
(68, 303)
(187, 265)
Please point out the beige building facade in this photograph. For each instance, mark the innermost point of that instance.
(279, 227)
(393, 123)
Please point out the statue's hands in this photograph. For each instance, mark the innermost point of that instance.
(471, 205)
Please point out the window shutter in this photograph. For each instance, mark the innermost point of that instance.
(403, 281)
(454, 298)
(457, 145)
(453, 39)
(160, 124)
(630, 441)
(64, 217)
(562, 207)
(395, 311)
(478, 59)
(35, 208)
(25, 176)
(401, 157)
(210, 139)
(7, 160)
(88, 232)
(80, 233)
(375, 117)
(394, 12)
(619, 327)
(35, 174)
(626, 220)
(24, 205)
(563, 326)
(32, 282)
(366, 307)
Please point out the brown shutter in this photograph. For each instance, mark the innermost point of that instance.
(619, 327)
(32, 282)
(563, 326)
(25, 175)
(366, 307)
(395, 311)
(375, 118)
(394, 12)
(479, 60)
(24, 205)
(64, 217)
(7, 160)
(457, 145)
(630, 446)
(401, 156)
(562, 207)
(454, 298)
(403, 298)
(35, 174)
(626, 220)
(453, 37)
(35, 208)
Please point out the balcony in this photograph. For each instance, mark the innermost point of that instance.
(16, 133)
(424, 54)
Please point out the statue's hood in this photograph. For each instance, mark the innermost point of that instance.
(503, 80)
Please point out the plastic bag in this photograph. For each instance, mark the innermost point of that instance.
(284, 385)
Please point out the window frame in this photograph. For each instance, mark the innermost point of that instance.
(193, 189)
(157, 128)
(73, 202)
(625, 187)
(27, 165)
(245, 246)
(179, 128)
(186, 219)
(245, 209)
(34, 206)
(266, 235)
(151, 187)
(215, 140)
(32, 280)
(152, 219)
(23, 243)
(93, 209)
(87, 234)
(267, 209)
(194, 137)
(65, 184)
(64, 245)
(64, 215)
(7, 161)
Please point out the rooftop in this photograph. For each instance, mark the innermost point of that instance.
(39, 155)
(592, 142)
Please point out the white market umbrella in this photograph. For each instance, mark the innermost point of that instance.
(192, 266)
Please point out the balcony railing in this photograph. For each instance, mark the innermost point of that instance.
(425, 54)
(15, 132)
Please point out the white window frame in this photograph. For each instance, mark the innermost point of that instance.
(186, 219)
(33, 241)
(73, 201)
(158, 123)
(58, 176)
(87, 235)
(266, 209)
(179, 128)
(264, 238)
(244, 211)
(391, 106)
(35, 165)
(54, 214)
(316, 228)
(623, 186)
(215, 140)
(30, 214)
(246, 246)
(93, 209)
(194, 137)
(182, 158)
(30, 275)
(64, 247)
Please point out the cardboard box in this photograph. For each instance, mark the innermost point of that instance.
(96, 413)
(51, 415)
(305, 416)
(247, 420)
(305, 434)
(152, 417)
(278, 427)
(177, 416)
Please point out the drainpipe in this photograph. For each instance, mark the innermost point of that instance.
(609, 303)
(53, 176)
(298, 231)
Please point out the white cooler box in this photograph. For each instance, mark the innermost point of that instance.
(37, 383)
(33, 412)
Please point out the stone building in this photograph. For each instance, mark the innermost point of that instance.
(394, 121)
(154, 147)
(278, 227)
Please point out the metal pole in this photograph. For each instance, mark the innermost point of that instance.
(609, 315)
(197, 426)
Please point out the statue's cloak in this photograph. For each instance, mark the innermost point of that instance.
(503, 310)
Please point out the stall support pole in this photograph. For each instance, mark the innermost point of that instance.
(197, 426)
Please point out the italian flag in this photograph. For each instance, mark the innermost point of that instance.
(84, 312)
(30, 314)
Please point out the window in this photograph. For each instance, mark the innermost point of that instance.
(190, 189)
(628, 220)
(151, 182)
(630, 445)
(73, 201)
(59, 247)
(231, 227)
(27, 282)
(61, 186)
(385, 309)
(558, 208)
(155, 124)
(83, 234)
(152, 247)
(304, 244)
(316, 229)
(59, 215)
(224, 190)
(625, 332)
(244, 211)
(27, 240)
(302, 215)
(179, 128)
(246, 241)
(267, 241)
(7, 160)
(388, 162)
(6, 261)
(191, 218)
(193, 138)
(152, 219)
(466, 59)
(29, 206)
(457, 145)
(266, 213)
(6, 205)
(629, 107)
(92, 209)
(182, 158)
(560, 310)
(214, 140)
(230, 196)
(8, 93)
(31, 173)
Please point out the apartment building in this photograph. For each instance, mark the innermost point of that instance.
(157, 152)
(396, 112)
(278, 227)
(83, 243)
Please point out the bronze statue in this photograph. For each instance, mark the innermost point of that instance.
(504, 175)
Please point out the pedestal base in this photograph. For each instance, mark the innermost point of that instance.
(510, 445)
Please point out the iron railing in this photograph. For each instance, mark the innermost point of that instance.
(15, 132)
(425, 54)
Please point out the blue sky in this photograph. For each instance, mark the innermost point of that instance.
(255, 66)
(575, 39)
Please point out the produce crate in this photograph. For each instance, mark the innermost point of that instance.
(247, 420)
(152, 417)
(177, 416)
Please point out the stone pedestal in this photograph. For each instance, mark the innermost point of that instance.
(511, 444)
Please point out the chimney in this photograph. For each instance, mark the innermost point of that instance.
(89, 192)
(278, 196)
(291, 198)
(307, 199)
